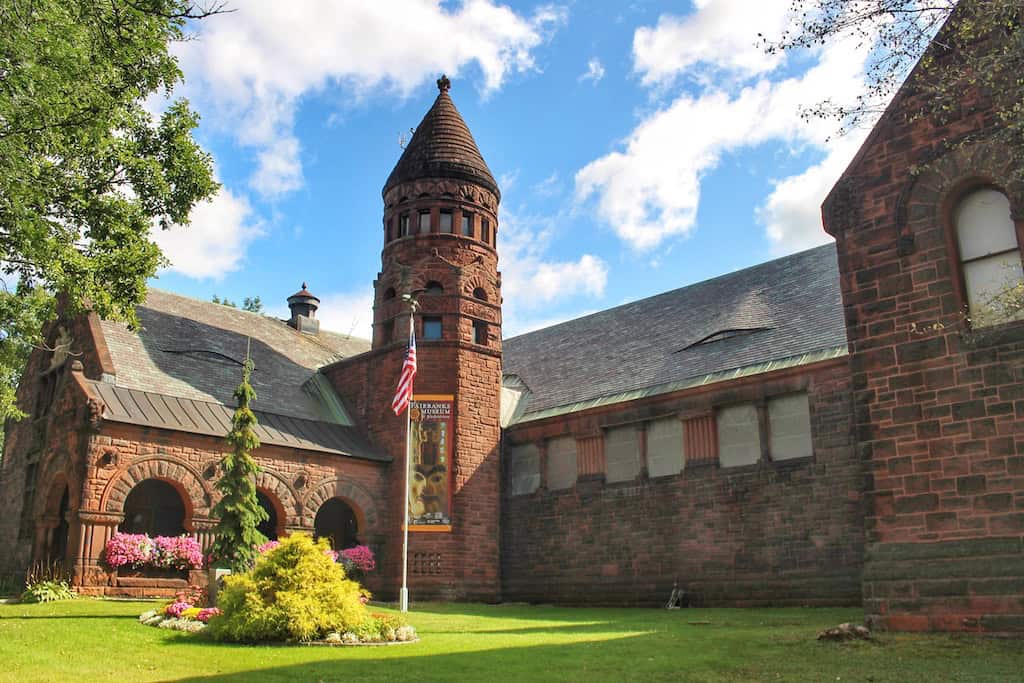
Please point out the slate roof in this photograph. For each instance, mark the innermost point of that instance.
(784, 309)
(442, 147)
(213, 419)
(191, 349)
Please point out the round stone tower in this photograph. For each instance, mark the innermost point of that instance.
(440, 231)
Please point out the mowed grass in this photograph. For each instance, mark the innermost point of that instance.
(95, 640)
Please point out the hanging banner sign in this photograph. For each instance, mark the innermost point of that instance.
(430, 479)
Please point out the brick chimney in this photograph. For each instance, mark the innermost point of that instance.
(303, 305)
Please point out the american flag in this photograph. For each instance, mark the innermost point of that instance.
(404, 393)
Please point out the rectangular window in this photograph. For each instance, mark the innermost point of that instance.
(523, 469)
(789, 427)
(424, 222)
(485, 230)
(739, 437)
(389, 231)
(446, 222)
(467, 224)
(622, 454)
(431, 327)
(665, 447)
(561, 463)
(403, 225)
(480, 332)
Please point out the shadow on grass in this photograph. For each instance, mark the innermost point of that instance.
(604, 659)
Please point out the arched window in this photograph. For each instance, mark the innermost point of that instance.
(153, 507)
(990, 252)
(389, 293)
(480, 294)
(433, 288)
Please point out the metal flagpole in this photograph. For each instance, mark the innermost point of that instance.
(403, 596)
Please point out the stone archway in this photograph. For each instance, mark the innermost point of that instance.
(337, 521)
(353, 494)
(273, 526)
(182, 477)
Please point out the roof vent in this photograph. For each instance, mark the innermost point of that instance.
(722, 335)
(303, 306)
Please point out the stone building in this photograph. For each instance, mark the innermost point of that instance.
(823, 429)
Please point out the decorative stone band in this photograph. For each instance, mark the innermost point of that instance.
(97, 517)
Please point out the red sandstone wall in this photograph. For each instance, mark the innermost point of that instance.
(939, 408)
(298, 481)
(55, 442)
(464, 563)
(773, 533)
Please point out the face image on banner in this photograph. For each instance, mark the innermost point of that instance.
(430, 475)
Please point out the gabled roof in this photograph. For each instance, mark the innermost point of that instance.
(442, 147)
(777, 314)
(192, 349)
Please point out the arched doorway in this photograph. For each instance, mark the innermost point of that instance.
(267, 527)
(336, 521)
(154, 507)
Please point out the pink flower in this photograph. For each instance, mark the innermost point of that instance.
(176, 608)
(361, 558)
(177, 552)
(134, 550)
(205, 614)
(267, 547)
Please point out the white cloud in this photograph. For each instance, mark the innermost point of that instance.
(533, 282)
(254, 65)
(594, 72)
(347, 312)
(214, 244)
(722, 35)
(792, 213)
(650, 189)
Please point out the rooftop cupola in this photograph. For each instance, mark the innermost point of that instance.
(442, 147)
(303, 305)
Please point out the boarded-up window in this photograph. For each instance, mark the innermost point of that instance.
(739, 440)
(523, 469)
(789, 427)
(622, 454)
(700, 440)
(664, 447)
(590, 456)
(561, 463)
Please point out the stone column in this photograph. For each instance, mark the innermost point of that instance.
(96, 528)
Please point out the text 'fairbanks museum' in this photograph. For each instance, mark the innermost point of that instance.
(823, 429)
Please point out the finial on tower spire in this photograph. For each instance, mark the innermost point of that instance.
(443, 84)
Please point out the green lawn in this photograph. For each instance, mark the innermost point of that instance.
(88, 640)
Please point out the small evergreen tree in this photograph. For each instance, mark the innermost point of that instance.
(238, 512)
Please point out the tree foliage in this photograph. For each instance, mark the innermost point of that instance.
(85, 169)
(899, 33)
(249, 303)
(238, 511)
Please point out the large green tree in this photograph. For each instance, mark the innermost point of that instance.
(86, 170)
(238, 511)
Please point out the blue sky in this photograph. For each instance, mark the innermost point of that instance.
(639, 147)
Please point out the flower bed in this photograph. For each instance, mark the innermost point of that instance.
(139, 551)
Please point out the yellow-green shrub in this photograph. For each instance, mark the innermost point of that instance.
(295, 592)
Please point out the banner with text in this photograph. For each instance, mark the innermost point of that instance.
(430, 497)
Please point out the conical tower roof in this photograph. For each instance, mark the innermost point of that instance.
(442, 147)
